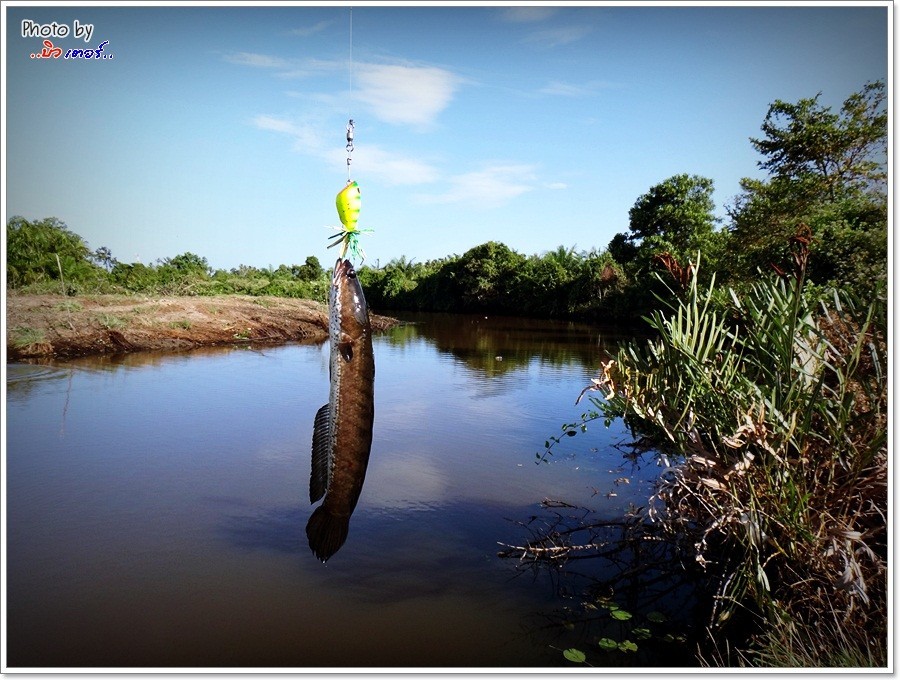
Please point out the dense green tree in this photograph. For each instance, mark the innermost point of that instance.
(134, 277)
(310, 270)
(675, 215)
(830, 153)
(486, 276)
(188, 263)
(674, 218)
(827, 171)
(46, 250)
(622, 248)
(678, 210)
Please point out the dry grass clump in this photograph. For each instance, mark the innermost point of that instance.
(776, 411)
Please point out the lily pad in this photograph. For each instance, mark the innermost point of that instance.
(574, 655)
(627, 646)
(657, 617)
(620, 614)
(641, 633)
(608, 643)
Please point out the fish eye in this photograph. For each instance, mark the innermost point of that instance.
(351, 273)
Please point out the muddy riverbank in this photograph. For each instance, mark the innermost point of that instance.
(48, 326)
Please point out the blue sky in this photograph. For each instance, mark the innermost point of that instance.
(220, 130)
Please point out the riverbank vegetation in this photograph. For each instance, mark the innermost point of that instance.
(766, 399)
(765, 383)
(775, 408)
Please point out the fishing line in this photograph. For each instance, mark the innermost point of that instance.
(350, 101)
(348, 199)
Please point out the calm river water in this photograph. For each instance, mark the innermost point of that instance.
(157, 503)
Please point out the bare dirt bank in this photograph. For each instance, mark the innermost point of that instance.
(46, 326)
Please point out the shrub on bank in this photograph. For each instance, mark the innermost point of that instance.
(775, 409)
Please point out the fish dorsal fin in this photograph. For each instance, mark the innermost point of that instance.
(321, 455)
(346, 350)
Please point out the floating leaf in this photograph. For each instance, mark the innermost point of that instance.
(627, 646)
(668, 637)
(656, 617)
(608, 643)
(574, 655)
(620, 614)
(641, 633)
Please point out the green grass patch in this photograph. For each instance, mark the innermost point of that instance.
(25, 336)
(112, 322)
(69, 306)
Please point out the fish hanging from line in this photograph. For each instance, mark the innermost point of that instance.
(348, 203)
(342, 434)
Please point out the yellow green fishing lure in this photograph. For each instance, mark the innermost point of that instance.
(348, 202)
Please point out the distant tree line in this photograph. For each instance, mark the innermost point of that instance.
(826, 171)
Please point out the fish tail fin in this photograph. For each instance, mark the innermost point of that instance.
(326, 532)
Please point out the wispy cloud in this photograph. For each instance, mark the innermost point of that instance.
(562, 35)
(286, 68)
(492, 187)
(400, 94)
(521, 15)
(306, 137)
(257, 60)
(557, 88)
(392, 168)
(370, 160)
(306, 31)
(404, 94)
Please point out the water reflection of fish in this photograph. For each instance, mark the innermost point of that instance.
(342, 436)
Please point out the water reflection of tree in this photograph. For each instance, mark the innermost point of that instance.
(493, 346)
(624, 596)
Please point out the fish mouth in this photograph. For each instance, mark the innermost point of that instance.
(347, 287)
(343, 268)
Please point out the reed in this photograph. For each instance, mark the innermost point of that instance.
(774, 408)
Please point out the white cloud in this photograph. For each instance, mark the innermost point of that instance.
(402, 94)
(394, 93)
(492, 187)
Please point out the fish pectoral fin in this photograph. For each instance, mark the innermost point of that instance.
(320, 470)
(346, 350)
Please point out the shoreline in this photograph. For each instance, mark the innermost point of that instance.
(60, 327)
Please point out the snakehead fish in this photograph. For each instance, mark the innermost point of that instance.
(342, 435)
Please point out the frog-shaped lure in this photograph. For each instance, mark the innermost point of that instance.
(348, 202)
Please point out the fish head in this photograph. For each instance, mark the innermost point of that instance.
(347, 297)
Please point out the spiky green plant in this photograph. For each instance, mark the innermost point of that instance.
(776, 409)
